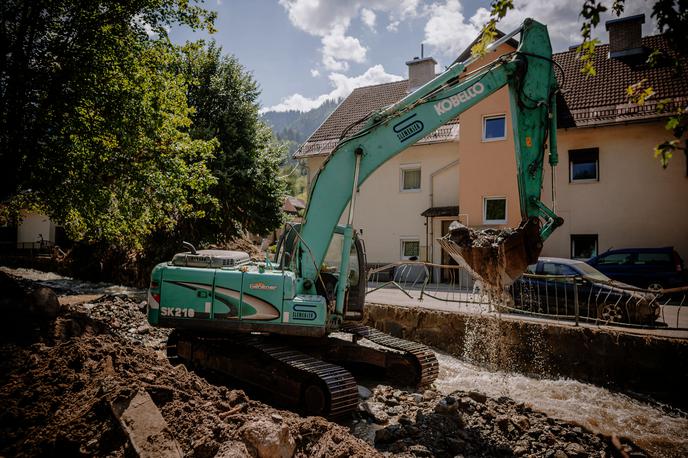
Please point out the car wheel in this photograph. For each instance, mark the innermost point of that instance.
(655, 287)
(610, 312)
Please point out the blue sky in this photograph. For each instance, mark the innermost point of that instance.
(302, 52)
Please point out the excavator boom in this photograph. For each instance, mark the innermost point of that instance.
(269, 325)
(532, 86)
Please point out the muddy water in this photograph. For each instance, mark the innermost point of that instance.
(68, 286)
(660, 430)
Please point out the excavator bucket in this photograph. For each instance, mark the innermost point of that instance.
(494, 257)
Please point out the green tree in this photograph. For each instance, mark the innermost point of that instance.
(672, 20)
(249, 190)
(94, 127)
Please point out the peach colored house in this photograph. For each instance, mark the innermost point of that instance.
(609, 188)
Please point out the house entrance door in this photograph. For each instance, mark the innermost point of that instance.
(448, 275)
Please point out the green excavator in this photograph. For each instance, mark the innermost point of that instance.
(291, 326)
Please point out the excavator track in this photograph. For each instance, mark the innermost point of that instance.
(288, 375)
(426, 362)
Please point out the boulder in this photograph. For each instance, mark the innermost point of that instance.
(43, 303)
(269, 439)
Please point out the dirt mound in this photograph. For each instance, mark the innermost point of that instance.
(57, 395)
(472, 424)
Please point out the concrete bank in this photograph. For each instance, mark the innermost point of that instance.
(643, 364)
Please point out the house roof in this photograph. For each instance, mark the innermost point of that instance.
(293, 204)
(586, 101)
(469, 49)
(602, 99)
(358, 104)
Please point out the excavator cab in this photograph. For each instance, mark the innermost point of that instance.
(329, 273)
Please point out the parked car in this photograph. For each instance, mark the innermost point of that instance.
(651, 268)
(548, 288)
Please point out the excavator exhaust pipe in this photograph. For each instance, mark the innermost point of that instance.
(494, 257)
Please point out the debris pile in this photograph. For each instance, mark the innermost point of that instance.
(495, 257)
(472, 424)
(67, 390)
(88, 376)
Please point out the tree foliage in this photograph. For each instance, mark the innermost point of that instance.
(249, 190)
(94, 119)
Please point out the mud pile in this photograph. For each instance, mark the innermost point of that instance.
(472, 424)
(61, 382)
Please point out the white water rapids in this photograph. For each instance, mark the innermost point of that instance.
(661, 430)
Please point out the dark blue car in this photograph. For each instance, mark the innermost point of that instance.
(651, 268)
(548, 288)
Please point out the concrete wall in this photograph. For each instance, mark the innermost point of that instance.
(635, 203)
(656, 366)
(33, 224)
(386, 215)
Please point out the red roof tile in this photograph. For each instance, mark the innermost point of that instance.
(602, 99)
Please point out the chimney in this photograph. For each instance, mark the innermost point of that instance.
(421, 70)
(625, 36)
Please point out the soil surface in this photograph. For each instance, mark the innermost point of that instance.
(64, 366)
(473, 424)
(58, 381)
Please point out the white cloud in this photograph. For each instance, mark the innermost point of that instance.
(368, 17)
(393, 26)
(330, 20)
(315, 72)
(338, 48)
(449, 32)
(342, 87)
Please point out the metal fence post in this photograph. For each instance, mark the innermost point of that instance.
(575, 297)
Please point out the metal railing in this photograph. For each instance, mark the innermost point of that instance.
(576, 299)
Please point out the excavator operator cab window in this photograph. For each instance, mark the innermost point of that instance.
(333, 259)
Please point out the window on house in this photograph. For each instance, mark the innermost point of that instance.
(584, 165)
(583, 246)
(494, 128)
(410, 178)
(410, 249)
(494, 210)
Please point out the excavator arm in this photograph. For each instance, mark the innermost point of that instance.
(532, 86)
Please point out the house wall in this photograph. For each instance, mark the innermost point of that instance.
(386, 215)
(635, 203)
(488, 168)
(33, 224)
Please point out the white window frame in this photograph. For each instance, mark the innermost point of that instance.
(406, 167)
(494, 116)
(585, 180)
(401, 247)
(495, 221)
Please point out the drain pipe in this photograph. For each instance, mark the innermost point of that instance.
(432, 202)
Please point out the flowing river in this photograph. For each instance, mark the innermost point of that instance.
(658, 428)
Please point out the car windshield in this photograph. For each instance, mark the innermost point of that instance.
(590, 272)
